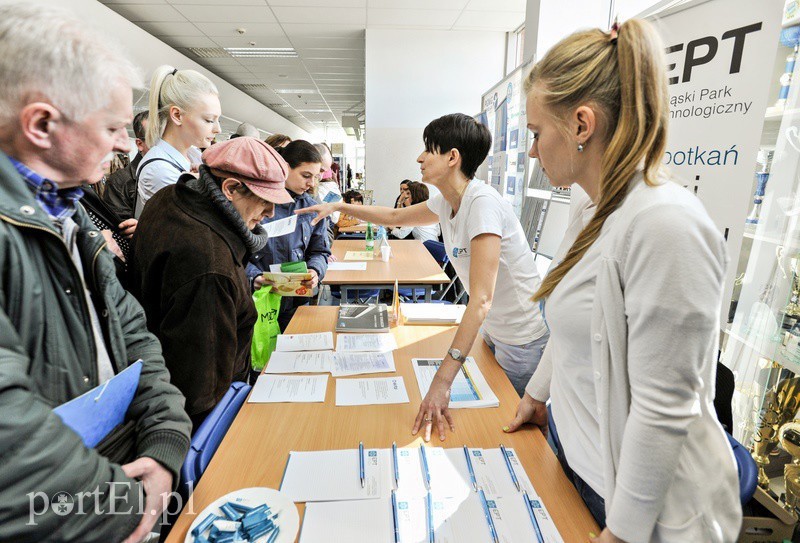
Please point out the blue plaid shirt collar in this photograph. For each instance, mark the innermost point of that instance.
(59, 204)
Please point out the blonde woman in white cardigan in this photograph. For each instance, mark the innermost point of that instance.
(633, 305)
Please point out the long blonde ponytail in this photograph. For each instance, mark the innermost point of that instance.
(171, 87)
(624, 76)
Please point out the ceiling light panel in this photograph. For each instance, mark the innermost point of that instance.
(261, 52)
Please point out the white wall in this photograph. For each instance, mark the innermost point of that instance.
(148, 52)
(413, 77)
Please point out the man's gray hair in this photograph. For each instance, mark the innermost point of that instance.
(323, 149)
(48, 55)
(248, 130)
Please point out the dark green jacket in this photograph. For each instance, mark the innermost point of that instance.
(47, 357)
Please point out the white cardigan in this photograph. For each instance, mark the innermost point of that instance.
(669, 472)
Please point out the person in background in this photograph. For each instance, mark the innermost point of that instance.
(327, 187)
(120, 193)
(417, 193)
(183, 118)
(633, 304)
(309, 242)
(246, 129)
(350, 197)
(188, 268)
(487, 248)
(66, 324)
(278, 140)
(400, 201)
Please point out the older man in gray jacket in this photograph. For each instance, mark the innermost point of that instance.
(66, 324)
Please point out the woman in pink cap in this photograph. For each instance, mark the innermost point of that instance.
(188, 271)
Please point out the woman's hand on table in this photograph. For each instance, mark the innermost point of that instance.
(529, 411)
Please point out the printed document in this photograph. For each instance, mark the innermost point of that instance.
(321, 476)
(300, 362)
(347, 266)
(359, 255)
(322, 341)
(289, 388)
(469, 389)
(353, 343)
(281, 227)
(359, 363)
(383, 390)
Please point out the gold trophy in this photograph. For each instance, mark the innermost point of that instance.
(793, 308)
(789, 436)
(780, 406)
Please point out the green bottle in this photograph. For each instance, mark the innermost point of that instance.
(370, 238)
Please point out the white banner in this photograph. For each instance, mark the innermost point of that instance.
(720, 58)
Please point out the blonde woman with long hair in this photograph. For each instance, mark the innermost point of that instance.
(633, 302)
(184, 113)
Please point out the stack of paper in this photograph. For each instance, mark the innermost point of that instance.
(322, 341)
(376, 343)
(435, 314)
(385, 390)
(319, 476)
(289, 388)
(300, 362)
(469, 388)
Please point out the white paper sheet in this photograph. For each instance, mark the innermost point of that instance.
(281, 227)
(493, 476)
(362, 521)
(365, 343)
(382, 390)
(361, 363)
(300, 362)
(469, 389)
(289, 388)
(321, 476)
(347, 266)
(321, 341)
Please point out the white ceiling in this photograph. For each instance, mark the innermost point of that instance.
(328, 36)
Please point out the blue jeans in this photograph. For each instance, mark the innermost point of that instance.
(518, 361)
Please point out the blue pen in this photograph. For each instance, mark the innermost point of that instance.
(510, 468)
(396, 467)
(471, 471)
(425, 472)
(394, 516)
(361, 461)
(429, 506)
(535, 523)
(488, 515)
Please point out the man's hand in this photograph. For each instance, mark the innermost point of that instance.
(314, 281)
(157, 483)
(259, 282)
(322, 211)
(332, 258)
(128, 227)
(529, 410)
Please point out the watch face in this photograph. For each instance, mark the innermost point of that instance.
(455, 354)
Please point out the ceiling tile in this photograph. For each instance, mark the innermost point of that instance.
(416, 18)
(148, 12)
(329, 52)
(217, 2)
(111, 3)
(325, 42)
(324, 30)
(244, 41)
(331, 15)
(497, 5)
(320, 3)
(170, 29)
(229, 29)
(224, 13)
(180, 42)
(500, 20)
(422, 4)
(223, 62)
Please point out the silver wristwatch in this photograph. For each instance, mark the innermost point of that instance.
(456, 355)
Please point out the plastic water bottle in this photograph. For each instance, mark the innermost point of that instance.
(370, 238)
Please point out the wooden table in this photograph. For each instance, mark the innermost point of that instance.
(410, 264)
(355, 229)
(256, 448)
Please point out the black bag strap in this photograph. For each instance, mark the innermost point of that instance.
(141, 167)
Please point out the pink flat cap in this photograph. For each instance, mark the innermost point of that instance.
(252, 162)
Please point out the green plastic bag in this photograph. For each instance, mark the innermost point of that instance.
(266, 330)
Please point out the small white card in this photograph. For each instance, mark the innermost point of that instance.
(347, 266)
(355, 343)
(276, 229)
(321, 341)
(383, 390)
(289, 388)
(300, 362)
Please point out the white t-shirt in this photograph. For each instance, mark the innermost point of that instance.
(514, 318)
(422, 233)
(159, 173)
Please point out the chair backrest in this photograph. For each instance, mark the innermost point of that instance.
(748, 470)
(352, 235)
(209, 435)
(437, 251)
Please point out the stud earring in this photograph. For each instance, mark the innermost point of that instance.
(580, 147)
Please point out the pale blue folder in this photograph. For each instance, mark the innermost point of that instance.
(94, 414)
